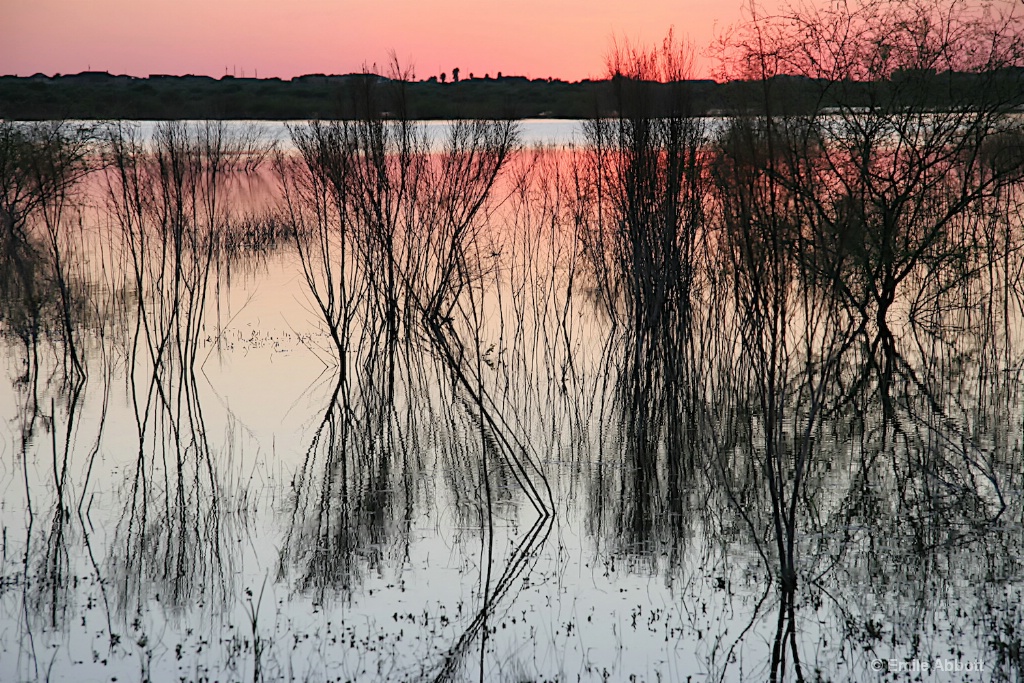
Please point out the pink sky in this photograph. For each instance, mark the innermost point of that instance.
(537, 38)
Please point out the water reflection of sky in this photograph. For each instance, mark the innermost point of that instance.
(674, 591)
(533, 132)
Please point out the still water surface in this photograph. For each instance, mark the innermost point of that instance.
(243, 506)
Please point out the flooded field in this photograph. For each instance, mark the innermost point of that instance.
(653, 402)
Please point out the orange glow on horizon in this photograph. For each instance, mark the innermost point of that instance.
(567, 39)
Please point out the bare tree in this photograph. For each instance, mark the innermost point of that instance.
(643, 183)
(40, 166)
(832, 208)
(900, 156)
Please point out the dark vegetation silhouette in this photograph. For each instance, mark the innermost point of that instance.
(828, 216)
(313, 96)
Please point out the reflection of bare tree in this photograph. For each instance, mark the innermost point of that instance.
(825, 219)
(644, 479)
(783, 364)
(55, 455)
(166, 198)
(390, 228)
(500, 592)
(44, 300)
(904, 489)
(354, 494)
(640, 210)
(799, 400)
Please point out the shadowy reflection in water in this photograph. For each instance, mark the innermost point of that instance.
(754, 480)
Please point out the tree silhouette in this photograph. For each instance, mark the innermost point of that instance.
(444, 76)
(455, 75)
(921, 115)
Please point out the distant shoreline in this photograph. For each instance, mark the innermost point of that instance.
(103, 96)
(99, 95)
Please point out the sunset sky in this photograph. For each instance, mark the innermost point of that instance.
(537, 38)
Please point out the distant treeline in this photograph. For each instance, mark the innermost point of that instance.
(100, 95)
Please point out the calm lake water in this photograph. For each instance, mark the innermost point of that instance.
(533, 132)
(232, 452)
